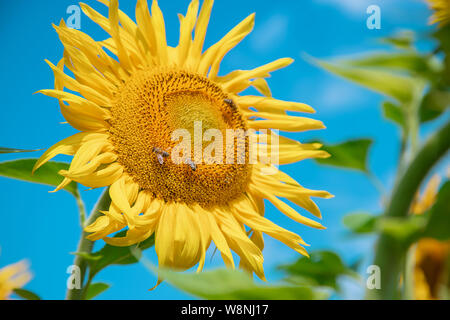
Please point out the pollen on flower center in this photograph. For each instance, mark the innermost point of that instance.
(148, 108)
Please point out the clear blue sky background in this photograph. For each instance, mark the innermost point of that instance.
(43, 227)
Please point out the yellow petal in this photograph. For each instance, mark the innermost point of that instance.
(241, 82)
(286, 209)
(262, 86)
(239, 242)
(114, 27)
(101, 178)
(265, 104)
(200, 30)
(74, 85)
(256, 222)
(216, 235)
(68, 146)
(85, 72)
(108, 67)
(214, 55)
(186, 26)
(176, 244)
(282, 122)
(145, 25)
(160, 33)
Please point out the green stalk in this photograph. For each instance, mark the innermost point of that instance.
(85, 245)
(81, 207)
(389, 254)
(413, 132)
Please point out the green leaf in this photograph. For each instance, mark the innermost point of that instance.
(47, 174)
(405, 230)
(87, 256)
(110, 255)
(361, 222)
(434, 104)
(394, 113)
(433, 224)
(10, 150)
(26, 294)
(323, 268)
(409, 62)
(228, 284)
(438, 225)
(390, 84)
(350, 154)
(401, 40)
(95, 289)
(443, 36)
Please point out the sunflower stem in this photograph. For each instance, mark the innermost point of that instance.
(86, 246)
(390, 254)
(81, 208)
(414, 124)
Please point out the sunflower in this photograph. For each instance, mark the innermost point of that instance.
(441, 10)
(431, 256)
(12, 277)
(131, 100)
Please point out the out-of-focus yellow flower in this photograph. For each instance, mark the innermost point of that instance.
(441, 11)
(431, 256)
(426, 200)
(12, 277)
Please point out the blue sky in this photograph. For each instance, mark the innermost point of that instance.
(43, 227)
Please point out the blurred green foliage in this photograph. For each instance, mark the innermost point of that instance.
(26, 294)
(350, 154)
(322, 268)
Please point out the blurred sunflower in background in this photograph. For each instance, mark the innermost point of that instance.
(12, 277)
(127, 110)
(432, 257)
(441, 10)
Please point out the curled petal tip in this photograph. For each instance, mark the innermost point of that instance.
(156, 285)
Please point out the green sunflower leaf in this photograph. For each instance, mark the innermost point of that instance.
(10, 150)
(228, 284)
(323, 268)
(398, 87)
(95, 289)
(26, 294)
(360, 222)
(350, 154)
(401, 40)
(47, 174)
(404, 231)
(394, 113)
(410, 62)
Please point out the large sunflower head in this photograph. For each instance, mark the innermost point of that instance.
(136, 110)
(12, 277)
(441, 10)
